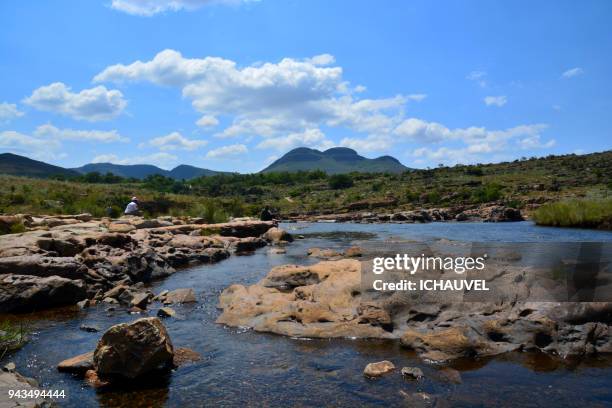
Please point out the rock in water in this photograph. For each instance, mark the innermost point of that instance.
(183, 355)
(166, 312)
(131, 350)
(378, 369)
(353, 252)
(185, 295)
(91, 378)
(324, 253)
(450, 375)
(78, 364)
(89, 328)
(277, 235)
(412, 372)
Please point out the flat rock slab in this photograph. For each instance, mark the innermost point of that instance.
(77, 364)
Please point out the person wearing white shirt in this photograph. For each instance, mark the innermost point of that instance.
(132, 207)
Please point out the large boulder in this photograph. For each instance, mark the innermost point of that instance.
(131, 350)
(277, 235)
(24, 293)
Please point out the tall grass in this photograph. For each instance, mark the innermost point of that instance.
(12, 337)
(580, 213)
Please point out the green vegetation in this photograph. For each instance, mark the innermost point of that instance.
(341, 181)
(39, 196)
(12, 337)
(524, 184)
(585, 213)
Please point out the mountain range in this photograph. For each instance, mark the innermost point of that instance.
(140, 171)
(332, 161)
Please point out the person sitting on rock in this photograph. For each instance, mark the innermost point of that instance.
(132, 207)
(266, 214)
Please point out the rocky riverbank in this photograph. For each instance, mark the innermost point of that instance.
(328, 300)
(67, 259)
(490, 212)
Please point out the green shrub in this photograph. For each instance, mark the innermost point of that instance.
(17, 228)
(486, 193)
(340, 181)
(584, 213)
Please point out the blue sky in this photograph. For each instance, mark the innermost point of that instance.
(234, 84)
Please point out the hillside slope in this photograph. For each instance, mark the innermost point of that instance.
(22, 166)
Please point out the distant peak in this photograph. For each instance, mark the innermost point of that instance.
(302, 150)
(388, 158)
(341, 150)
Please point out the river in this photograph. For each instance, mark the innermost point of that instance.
(244, 368)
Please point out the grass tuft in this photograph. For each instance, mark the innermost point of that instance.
(582, 213)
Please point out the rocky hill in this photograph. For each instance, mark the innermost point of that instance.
(334, 161)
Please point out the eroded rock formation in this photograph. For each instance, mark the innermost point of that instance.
(62, 260)
(328, 300)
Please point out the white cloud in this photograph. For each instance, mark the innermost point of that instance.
(479, 143)
(92, 104)
(323, 59)
(227, 151)
(534, 142)
(371, 143)
(8, 112)
(149, 8)
(104, 136)
(478, 77)
(570, 73)
(422, 131)
(207, 121)
(176, 141)
(417, 97)
(495, 100)
(27, 145)
(267, 99)
(309, 138)
(286, 104)
(419, 130)
(163, 160)
(265, 127)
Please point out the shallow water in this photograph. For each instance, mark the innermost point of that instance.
(242, 367)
